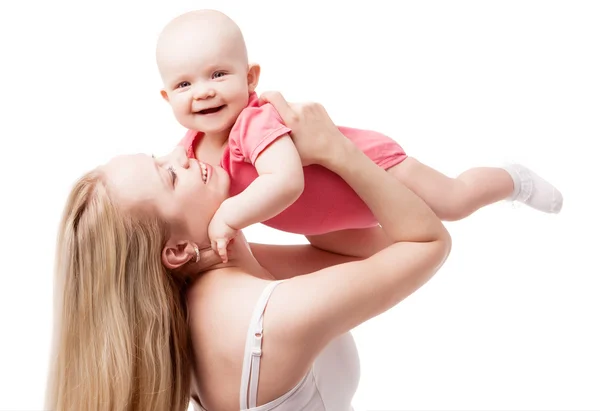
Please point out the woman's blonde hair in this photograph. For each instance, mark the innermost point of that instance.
(121, 340)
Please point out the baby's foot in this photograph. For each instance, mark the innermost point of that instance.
(533, 190)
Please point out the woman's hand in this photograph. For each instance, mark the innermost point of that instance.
(317, 139)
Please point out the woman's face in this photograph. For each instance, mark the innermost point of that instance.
(184, 192)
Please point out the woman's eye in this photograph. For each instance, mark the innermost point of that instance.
(173, 174)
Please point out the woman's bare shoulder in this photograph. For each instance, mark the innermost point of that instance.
(220, 311)
(223, 297)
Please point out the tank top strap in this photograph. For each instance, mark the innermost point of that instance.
(253, 350)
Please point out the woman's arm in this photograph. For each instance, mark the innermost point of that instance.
(329, 302)
(287, 261)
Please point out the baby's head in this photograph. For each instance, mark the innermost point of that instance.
(203, 62)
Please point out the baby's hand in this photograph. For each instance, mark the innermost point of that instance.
(220, 235)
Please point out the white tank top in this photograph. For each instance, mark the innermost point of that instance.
(328, 386)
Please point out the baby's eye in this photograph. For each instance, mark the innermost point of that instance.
(184, 84)
(218, 74)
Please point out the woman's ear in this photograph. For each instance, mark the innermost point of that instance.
(175, 255)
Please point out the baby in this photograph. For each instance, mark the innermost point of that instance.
(210, 85)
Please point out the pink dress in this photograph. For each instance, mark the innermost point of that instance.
(327, 203)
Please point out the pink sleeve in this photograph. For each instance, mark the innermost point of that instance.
(255, 129)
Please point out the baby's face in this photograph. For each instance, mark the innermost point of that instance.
(207, 79)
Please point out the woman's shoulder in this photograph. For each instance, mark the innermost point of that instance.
(220, 316)
(225, 298)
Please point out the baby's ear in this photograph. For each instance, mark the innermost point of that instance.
(253, 76)
(164, 95)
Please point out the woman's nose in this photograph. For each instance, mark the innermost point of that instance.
(177, 157)
(180, 157)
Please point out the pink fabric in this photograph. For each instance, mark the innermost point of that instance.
(327, 203)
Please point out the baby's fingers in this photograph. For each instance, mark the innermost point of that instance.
(222, 249)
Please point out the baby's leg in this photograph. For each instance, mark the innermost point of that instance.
(360, 243)
(456, 198)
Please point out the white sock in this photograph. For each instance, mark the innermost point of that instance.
(533, 190)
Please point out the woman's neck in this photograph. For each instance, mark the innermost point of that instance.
(241, 259)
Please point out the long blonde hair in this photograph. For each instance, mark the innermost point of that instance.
(121, 340)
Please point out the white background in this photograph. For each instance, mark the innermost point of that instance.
(511, 320)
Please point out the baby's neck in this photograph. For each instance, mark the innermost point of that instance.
(211, 147)
(217, 139)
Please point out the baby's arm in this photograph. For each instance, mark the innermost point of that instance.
(280, 182)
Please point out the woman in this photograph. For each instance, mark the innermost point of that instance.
(130, 242)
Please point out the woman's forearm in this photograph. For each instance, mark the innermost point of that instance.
(402, 214)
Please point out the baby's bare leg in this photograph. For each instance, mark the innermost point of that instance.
(456, 198)
(360, 243)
